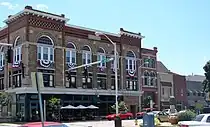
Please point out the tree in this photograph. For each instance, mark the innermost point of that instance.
(146, 101)
(122, 107)
(53, 108)
(5, 100)
(206, 82)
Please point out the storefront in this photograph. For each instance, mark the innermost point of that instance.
(28, 109)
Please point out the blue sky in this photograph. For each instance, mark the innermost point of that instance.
(179, 28)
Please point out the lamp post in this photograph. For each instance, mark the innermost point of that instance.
(139, 82)
(115, 67)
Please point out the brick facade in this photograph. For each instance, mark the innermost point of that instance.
(33, 24)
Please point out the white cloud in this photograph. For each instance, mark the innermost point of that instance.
(9, 5)
(42, 7)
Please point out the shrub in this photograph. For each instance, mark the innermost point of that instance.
(186, 116)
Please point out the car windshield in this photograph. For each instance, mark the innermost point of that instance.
(198, 118)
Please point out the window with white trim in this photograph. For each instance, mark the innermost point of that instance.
(86, 55)
(152, 79)
(112, 62)
(130, 61)
(146, 78)
(45, 50)
(71, 53)
(146, 60)
(17, 54)
(101, 56)
(131, 84)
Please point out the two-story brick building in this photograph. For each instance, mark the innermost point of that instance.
(43, 42)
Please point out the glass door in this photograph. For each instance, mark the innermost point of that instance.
(34, 111)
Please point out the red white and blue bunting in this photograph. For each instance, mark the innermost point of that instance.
(1, 68)
(131, 73)
(71, 65)
(45, 63)
(16, 64)
(101, 69)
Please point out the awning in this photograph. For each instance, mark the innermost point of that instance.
(68, 107)
(81, 107)
(92, 107)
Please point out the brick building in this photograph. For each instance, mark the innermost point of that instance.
(43, 42)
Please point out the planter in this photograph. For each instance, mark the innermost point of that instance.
(173, 119)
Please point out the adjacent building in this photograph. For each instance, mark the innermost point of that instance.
(44, 42)
(180, 89)
(195, 90)
(149, 76)
(166, 85)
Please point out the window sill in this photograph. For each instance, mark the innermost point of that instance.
(149, 86)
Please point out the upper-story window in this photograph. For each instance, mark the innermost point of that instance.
(71, 53)
(1, 56)
(112, 62)
(17, 54)
(152, 79)
(130, 61)
(146, 60)
(152, 63)
(45, 50)
(146, 78)
(101, 55)
(86, 55)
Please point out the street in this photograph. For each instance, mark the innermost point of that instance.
(125, 123)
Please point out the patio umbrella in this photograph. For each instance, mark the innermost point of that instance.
(81, 107)
(68, 107)
(92, 107)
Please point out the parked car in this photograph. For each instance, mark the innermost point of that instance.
(139, 115)
(46, 124)
(163, 116)
(169, 111)
(202, 120)
(122, 115)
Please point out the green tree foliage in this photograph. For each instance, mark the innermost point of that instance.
(53, 103)
(146, 101)
(122, 107)
(206, 82)
(5, 99)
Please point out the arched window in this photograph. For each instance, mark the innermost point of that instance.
(86, 55)
(1, 56)
(112, 62)
(45, 50)
(130, 61)
(70, 53)
(146, 78)
(101, 55)
(152, 79)
(17, 54)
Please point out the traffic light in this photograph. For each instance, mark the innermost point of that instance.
(69, 76)
(23, 71)
(86, 72)
(9, 55)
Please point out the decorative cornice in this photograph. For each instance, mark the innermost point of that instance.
(132, 35)
(37, 13)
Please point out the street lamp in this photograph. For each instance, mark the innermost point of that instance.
(115, 67)
(140, 86)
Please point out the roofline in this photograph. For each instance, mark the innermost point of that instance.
(27, 11)
(93, 30)
(4, 27)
